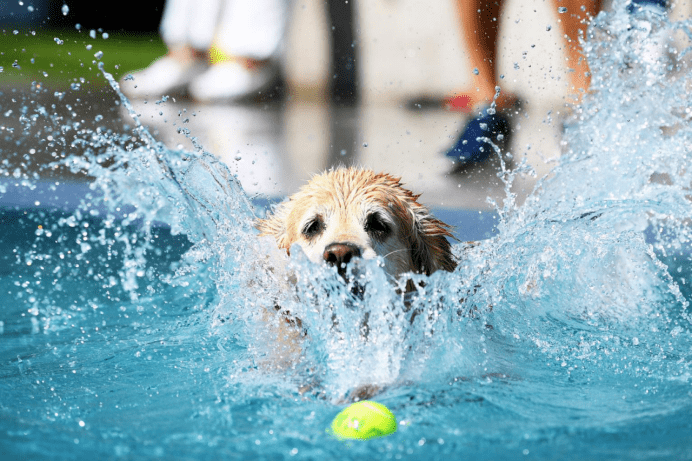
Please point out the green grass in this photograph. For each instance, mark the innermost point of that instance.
(36, 56)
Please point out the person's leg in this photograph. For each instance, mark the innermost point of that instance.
(252, 29)
(248, 40)
(574, 24)
(186, 28)
(480, 21)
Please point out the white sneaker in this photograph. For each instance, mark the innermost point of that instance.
(229, 81)
(165, 75)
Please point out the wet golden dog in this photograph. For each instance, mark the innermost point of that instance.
(346, 214)
(351, 213)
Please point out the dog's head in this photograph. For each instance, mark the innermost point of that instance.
(352, 213)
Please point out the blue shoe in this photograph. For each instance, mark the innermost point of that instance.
(470, 149)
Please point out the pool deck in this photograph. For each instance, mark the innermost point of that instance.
(274, 148)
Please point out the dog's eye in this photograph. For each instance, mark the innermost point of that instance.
(313, 227)
(376, 226)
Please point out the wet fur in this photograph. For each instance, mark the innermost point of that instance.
(344, 198)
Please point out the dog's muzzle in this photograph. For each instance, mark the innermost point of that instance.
(340, 254)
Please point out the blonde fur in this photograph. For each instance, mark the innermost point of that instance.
(368, 211)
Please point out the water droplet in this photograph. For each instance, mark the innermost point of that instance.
(562, 9)
(92, 33)
(58, 41)
(88, 47)
(104, 35)
(365, 145)
(483, 126)
(548, 28)
(65, 9)
(78, 26)
(98, 54)
(476, 71)
(75, 86)
(98, 118)
(343, 152)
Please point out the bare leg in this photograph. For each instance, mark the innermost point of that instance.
(480, 23)
(574, 24)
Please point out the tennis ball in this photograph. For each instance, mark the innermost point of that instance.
(364, 420)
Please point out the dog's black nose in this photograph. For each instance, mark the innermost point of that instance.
(340, 254)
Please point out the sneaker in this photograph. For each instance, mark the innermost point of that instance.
(470, 147)
(233, 81)
(164, 76)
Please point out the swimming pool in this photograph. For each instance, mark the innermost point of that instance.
(132, 322)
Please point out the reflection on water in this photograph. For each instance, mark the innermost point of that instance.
(275, 148)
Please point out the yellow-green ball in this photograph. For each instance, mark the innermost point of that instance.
(364, 420)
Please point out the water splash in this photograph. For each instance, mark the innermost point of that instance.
(586, 282)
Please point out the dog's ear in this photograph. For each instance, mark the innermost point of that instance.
(431, 250)
(274, 224)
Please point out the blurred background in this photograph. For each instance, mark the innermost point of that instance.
(362, 83)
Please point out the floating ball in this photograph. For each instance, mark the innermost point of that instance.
(364, 420)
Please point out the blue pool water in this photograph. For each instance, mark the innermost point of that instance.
(132, 319)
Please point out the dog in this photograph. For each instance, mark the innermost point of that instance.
(347, 214)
